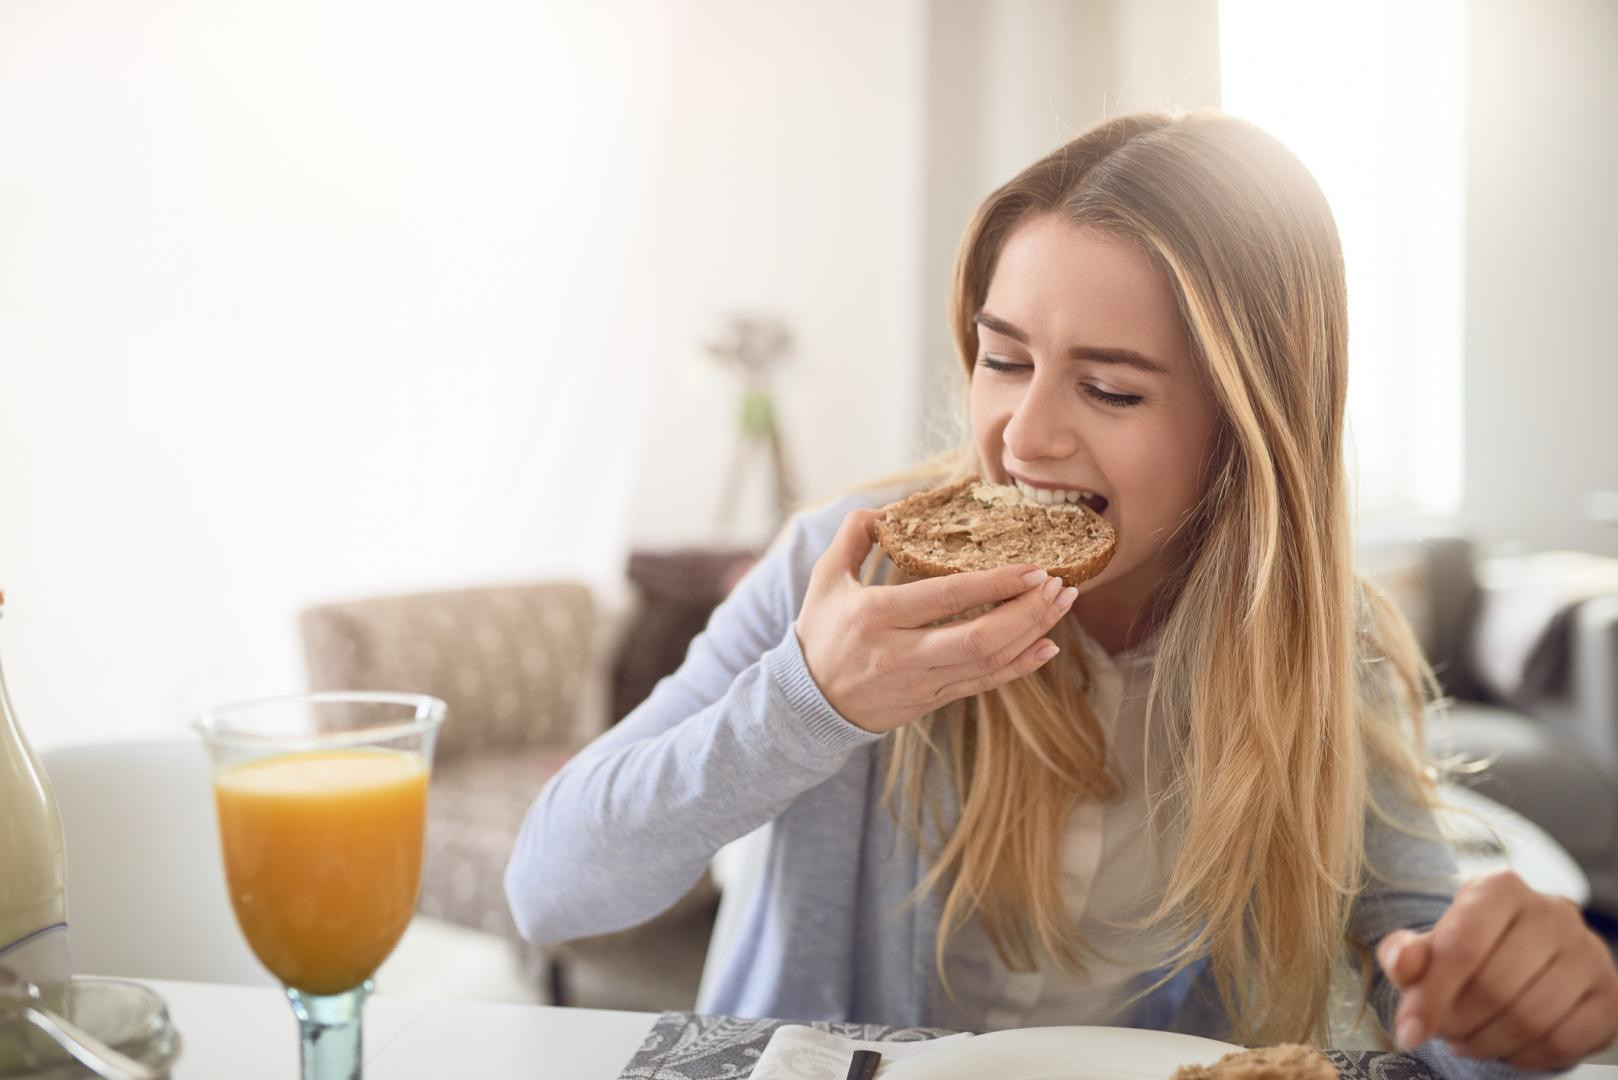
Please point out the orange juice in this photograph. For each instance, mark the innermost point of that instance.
(323, 858)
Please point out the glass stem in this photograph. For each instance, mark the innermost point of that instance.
(329, 1027)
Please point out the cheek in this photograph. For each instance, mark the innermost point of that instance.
(1156, 472)
(988, 416)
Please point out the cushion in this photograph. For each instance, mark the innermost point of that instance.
(509, 661)
(474, 812)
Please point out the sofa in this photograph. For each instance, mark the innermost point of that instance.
(1553, 756)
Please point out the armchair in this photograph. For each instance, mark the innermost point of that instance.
(516, 665)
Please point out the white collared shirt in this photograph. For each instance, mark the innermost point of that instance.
(1108, 875)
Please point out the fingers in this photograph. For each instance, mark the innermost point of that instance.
(1029, 660)
(1463, 939)
(1507, 974)
(993, 640)
(920, 603)
(1585, 1030)
(848, 549)
(1506, 984)
(1570, 963)
(1404, 955)
(1528, 1016)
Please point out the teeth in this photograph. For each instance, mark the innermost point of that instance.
(1049, 498)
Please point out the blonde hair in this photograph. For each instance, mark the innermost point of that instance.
(1289, 680)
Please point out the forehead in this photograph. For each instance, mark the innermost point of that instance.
(1069, 285)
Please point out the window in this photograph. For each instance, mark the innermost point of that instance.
(1370, 96)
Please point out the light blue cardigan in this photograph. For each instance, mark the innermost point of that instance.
(740, 736)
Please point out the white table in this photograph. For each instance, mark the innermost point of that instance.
(247, 1033)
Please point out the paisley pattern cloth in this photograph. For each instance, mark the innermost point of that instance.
(691, 1046)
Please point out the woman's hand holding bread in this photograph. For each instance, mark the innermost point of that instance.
(875, 654)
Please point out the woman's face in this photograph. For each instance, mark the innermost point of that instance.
(1085, 381)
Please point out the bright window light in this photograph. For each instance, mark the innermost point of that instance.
(1370, 96)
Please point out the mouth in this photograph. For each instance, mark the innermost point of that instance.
(1058, 496)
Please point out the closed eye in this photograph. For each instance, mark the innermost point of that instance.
(1106, 397)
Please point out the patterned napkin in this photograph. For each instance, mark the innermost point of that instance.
(694, 1046)
(796, 1052)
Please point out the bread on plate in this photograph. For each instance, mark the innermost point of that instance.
(1288, 1061)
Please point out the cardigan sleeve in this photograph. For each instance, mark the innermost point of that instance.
(719, 748)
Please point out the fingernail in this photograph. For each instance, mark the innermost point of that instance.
(1032, 578)
(1390, 962)
(1411, 1033)
(1068, 595)
(1052, 587)
(1046, 653)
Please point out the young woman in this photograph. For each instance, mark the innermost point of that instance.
(1181, 796)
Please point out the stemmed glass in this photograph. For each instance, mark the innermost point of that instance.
(322, 804)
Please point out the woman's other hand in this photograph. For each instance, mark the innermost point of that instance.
(875, 655)
(1507, 973)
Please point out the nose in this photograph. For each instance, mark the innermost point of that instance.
(1043, 424)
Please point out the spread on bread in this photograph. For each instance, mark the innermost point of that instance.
(972, 525)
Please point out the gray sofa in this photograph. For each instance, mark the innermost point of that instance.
(1554, 760)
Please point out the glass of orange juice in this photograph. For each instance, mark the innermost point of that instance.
(322, 803)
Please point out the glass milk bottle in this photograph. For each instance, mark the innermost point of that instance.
(33, 870)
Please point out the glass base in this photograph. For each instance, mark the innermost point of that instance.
(329, 1029)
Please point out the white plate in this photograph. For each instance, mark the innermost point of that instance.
(1063, 1053)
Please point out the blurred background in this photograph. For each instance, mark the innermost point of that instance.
(305, 301)
(477, 348)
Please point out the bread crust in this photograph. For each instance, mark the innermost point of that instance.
(1288, 1061)
(1085, 540)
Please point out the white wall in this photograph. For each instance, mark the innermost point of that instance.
(793, 189)
(1542, 262)
(314, 300)
(303, 300)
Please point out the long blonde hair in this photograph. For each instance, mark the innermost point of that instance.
(1285, 679)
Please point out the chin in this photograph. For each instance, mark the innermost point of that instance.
(1100, 581)
(1118, 572)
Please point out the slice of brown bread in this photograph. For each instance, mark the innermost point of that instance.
(971, 525)
(1288, 1061)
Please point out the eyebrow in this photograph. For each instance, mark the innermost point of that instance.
(1104, 354)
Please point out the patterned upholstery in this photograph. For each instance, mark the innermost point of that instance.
(477, 806)
(510, 662)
